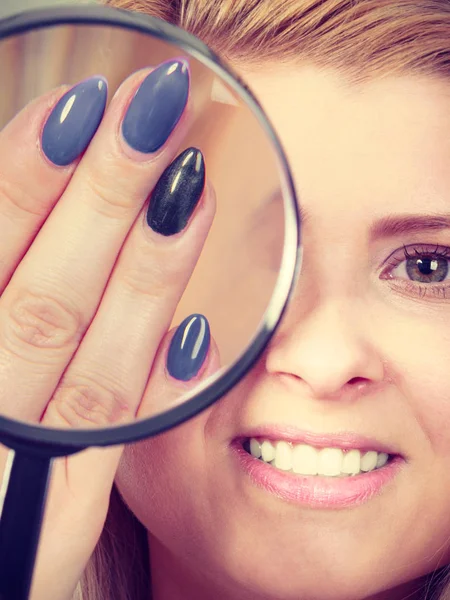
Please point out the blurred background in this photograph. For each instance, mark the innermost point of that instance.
(10, 7)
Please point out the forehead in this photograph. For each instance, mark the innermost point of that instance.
(388, 139)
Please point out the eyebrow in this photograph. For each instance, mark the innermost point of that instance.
(385, 227)
(393, 225)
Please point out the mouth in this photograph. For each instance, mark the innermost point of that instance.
(313, 471)
(304, 459)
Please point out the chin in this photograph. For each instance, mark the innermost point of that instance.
(246, 567)
(289, 581)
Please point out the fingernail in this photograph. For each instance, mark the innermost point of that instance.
(189, 347)
(177, 193)
(74, 121)
(156, 107)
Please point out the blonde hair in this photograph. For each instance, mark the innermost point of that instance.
(364, 39)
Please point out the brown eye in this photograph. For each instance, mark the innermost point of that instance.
(421, 270)
(427, 269)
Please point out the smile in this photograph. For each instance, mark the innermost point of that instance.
(303, 459)
(317, 476)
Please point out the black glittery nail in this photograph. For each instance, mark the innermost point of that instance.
(177, 193)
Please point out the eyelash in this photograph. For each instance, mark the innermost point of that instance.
(422, 251)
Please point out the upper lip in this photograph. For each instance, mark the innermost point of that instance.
(343, 439)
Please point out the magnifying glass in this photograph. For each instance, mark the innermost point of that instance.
(242, 279)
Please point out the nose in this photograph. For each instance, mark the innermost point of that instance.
(330, 349)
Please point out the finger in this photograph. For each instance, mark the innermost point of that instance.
(187, 358)
(81, 485)
(30, 184)
(94, 469)
(77, 504)
(104, 383)
(53, 295)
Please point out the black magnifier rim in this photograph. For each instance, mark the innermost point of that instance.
(56, 441)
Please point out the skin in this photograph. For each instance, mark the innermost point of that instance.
(357, 351)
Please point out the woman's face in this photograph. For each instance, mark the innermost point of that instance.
(361, 360)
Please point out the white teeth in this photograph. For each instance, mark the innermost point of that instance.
(330, 461)
(369, 461)
(283, 456)
(304, 460)
(351, 464)
(267, 451)
(382, 459)
(255, 448)
(307, 460)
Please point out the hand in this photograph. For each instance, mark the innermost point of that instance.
(91, 276)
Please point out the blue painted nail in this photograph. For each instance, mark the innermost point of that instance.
(74, 121)
(156, 107)
(189, 347)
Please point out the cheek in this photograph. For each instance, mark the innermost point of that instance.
(418, 351)
(161, 479)
(413, 339)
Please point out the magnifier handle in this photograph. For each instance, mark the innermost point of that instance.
(20, 521)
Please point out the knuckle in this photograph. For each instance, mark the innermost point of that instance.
(142, 282)
(89, 404)
(15, 198)
(153, 273)
(114, 198)
(41, 321)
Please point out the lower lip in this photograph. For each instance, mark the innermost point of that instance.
(313, 490)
